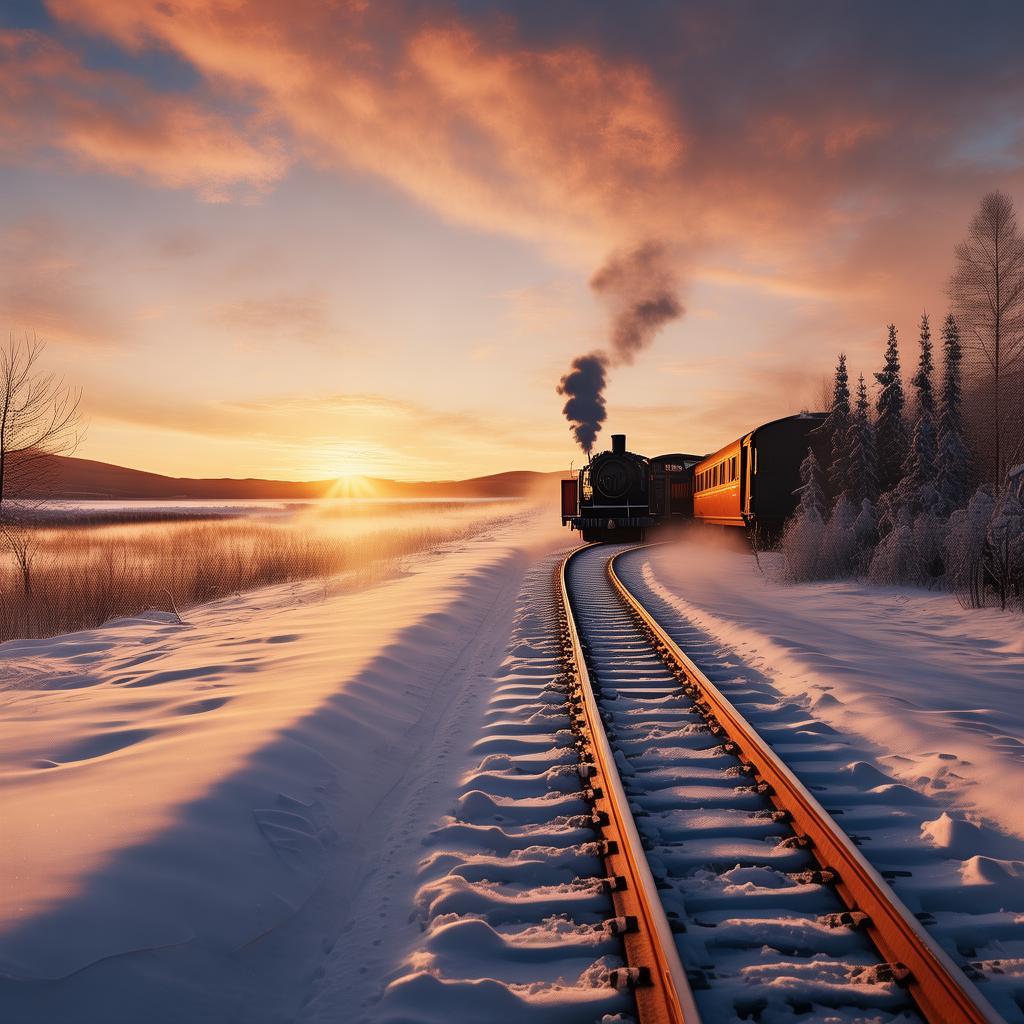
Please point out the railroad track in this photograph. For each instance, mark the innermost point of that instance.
(732, 886)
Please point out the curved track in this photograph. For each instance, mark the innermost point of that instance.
(736, 892)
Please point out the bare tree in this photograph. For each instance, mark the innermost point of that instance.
(987, 291)
(39, 418)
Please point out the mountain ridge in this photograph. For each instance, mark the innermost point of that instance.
(69, 477)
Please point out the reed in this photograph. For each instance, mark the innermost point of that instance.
(83, 575)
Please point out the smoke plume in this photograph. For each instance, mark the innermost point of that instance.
(642, 292)
(583, 387)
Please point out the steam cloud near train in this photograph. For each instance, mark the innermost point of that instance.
(642, 292)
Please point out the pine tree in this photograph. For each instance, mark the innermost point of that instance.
(919, 465)
(839, 542)
(802, 539)
(890, 429)
(862, 476)
(951, 454)
(922, 380)
(865, 531)
(811, 489)
(836, 428)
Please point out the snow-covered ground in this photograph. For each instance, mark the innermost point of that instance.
(194, 815)
(938, 689)
(238, 818)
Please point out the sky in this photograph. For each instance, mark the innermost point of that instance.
(301, 239)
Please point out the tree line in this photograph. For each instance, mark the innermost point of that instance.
(928, 489)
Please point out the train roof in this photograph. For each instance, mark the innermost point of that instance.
(677, 457)
(815, 416)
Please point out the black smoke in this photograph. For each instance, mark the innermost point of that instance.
(584, 407)
(642, 292)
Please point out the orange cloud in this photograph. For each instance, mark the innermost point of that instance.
(538, 143)
(115, 122)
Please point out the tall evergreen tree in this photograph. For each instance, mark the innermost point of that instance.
(862, 478)
(836, 429)
(919, 465)
(802, 539)
(951, 457)
(812, 487)
(922, 380)
(890, 427)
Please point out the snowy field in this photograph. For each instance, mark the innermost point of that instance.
(194, 815)
(238, 818)
(936, 688)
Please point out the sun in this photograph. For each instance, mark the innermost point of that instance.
(351, 485)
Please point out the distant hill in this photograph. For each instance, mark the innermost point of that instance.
(85, 478)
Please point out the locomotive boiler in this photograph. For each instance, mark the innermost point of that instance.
(619, 495)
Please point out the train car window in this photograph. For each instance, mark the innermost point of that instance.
(732, 468)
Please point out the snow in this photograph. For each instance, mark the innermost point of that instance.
(899, 708)
(313, 806)
(935, 687)
(193, 812)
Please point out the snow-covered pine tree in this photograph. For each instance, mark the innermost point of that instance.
(893, 561)
(839, 542)
(812, 486)
(801, 541)
(862, 476)
(966, 541)
(951, 453)
(919, 464)
(929, 537)
(890, 428)
(836, 429)
(865, 532)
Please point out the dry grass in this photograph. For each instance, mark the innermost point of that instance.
(83, 575)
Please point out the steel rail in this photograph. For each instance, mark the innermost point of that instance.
(657, 976)
(942, 992)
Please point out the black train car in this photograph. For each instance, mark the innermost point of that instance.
(752, 481)
(671, 486)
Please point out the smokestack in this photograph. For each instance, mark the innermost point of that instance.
(619, 444)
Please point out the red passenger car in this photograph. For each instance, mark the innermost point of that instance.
(752, 481)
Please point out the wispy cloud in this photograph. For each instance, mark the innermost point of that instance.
(298, 316)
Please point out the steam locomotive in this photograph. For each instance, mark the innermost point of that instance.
(751, 482)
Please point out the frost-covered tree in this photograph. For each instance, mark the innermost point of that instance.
(865, 532)
(1005, 548)
(890, 428)
(812, 485)
(951, 452)
(929, 535)
(836, 429)
(893, 560)
(839, 542)
(801, 541)
(862, 473)
(966, 541)
(919, 465)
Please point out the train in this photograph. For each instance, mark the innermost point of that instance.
(751, 483)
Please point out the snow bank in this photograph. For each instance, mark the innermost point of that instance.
(190, 810)
(937, 689)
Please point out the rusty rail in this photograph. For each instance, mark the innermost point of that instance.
(942, 992)
(655, 972)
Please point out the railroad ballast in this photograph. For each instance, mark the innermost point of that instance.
(751, 482)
